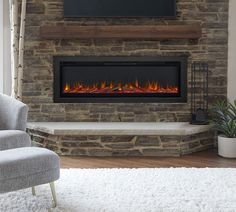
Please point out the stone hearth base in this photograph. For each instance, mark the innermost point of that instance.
(124, 145)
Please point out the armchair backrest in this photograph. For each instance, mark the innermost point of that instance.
(13, 114)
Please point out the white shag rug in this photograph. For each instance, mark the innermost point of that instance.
(132, 190)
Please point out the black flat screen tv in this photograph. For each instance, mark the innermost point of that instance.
(120, 8)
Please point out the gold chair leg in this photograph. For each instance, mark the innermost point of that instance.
(52, 186)
(33, 191)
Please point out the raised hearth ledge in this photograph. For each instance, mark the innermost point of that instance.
(118, 128)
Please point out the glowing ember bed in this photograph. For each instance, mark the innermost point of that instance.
(119, 88)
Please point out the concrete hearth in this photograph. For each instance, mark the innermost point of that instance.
(121, 139)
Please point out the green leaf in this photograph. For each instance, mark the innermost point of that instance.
(224, 118)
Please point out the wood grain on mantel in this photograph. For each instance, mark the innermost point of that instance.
(130, 32)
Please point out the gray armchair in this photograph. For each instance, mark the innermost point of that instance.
(13, 119)
(22, 167)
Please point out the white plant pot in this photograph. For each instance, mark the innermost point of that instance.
(227, 147)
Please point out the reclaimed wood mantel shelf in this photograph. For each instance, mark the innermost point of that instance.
(161, 32)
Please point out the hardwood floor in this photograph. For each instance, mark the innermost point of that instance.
(200, 160)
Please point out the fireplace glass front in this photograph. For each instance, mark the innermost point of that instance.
(120, 79)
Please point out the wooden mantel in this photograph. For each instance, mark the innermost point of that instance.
(129, 32)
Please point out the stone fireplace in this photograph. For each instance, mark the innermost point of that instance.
(120, 79)
(39, 53)
(54, 96)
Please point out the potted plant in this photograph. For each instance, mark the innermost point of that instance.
(224, 118)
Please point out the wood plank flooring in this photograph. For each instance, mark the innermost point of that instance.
(200, 160)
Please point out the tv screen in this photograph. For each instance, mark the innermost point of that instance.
(119, 8)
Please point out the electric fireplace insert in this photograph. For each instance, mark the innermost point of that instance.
(120, 79)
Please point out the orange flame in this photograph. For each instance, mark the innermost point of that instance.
(118, 88)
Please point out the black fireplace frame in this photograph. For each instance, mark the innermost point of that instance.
(58, 60)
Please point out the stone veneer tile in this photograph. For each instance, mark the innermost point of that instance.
(124, 145)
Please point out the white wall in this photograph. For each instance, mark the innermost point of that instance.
(5, 66)
(1, 44)
(6, 48)
(232, 51)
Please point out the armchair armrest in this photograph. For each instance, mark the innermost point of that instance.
(11, 139)
(13, 114)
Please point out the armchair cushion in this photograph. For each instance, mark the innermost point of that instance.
(26, 167)
(11, 139)
(13, 114)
